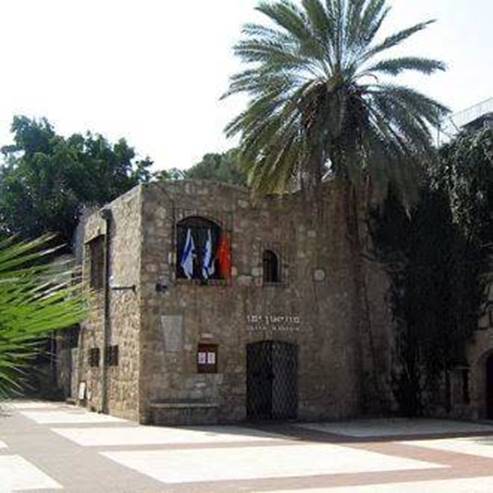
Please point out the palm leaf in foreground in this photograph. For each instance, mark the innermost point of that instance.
(37, 296)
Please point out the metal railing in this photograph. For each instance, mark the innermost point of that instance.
(453, 124)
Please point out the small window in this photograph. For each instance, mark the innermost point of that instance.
(73, 336)
(466, 399)
(270, 264)
(112, 355)
(94, 356)
(96, 252)
(207, 358)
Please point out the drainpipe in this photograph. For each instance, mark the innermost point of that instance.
(106, 216)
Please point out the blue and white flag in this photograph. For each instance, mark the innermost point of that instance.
(186, 260)
(208, 268)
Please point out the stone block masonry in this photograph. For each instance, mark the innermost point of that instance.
(159, 320)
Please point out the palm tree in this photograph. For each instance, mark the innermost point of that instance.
(36, 298)
(322, 103)
(321, 99)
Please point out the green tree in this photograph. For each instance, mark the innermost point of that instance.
(322, 100)
(220, 167)
(47, 179)
(436, 255)
(172, 174)
(37, 296)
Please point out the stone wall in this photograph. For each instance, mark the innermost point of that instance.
(317, 287)
(469, 387)
(343, 334)
(124, 321)
(159, 324)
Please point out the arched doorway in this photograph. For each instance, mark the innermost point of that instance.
(489, 387)
(272, 380)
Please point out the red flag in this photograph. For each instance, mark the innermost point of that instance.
(224, 256)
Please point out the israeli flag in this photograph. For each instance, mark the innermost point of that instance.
(186, 260)
(208, 268)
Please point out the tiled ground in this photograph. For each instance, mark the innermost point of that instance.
(49, 447)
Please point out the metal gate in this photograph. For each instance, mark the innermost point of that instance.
(272, 380)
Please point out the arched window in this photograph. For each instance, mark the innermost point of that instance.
(270, 264)
(198, 240)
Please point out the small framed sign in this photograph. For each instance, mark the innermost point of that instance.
(207, 358)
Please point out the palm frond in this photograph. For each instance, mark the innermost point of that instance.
(395, 39)
(307, 74)
(36, 298)
(395, 66)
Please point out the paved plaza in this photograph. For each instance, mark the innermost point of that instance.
(50, 447)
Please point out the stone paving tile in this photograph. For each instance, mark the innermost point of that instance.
(476, 446)
(16, 473)
(397, 427)
(152, 435)
(475, 485)
(69, 416)
(186, 466)
(77, 469)
(245, 459)
(25, 404)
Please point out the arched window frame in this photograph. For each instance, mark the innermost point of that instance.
(181, 227)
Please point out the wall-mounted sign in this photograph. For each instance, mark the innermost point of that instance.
(274, 323)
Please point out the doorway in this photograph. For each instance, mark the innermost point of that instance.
(489, 387)
(272, 380)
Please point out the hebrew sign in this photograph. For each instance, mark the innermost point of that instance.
(273, 323)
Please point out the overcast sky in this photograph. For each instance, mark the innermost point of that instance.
(152, 71)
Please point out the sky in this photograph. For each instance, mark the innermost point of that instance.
(153, 71)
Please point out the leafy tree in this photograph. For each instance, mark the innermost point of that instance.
(467, 172)
(172, 174)
(321, 100)
(220, 167)
(36, 297)
(47, 179)
(436, 256)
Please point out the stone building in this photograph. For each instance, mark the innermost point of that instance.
(471, 392)
(210, 307)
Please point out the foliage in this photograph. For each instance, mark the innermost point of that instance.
(220, 167)
(223, 168)
(47, 179)
(36, 297)
(437, 256)
(322, 99)
(468, 173)
(171, 174)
